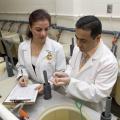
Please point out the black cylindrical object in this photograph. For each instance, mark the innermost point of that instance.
(103, 117)
(114, 49)
(72, 47)
(9, 67)
(107, 114)
(47, 87)
(47, 91)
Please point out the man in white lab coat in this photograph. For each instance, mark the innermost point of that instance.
(93, 68)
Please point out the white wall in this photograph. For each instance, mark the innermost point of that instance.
(97, 7)
(25, 6)
(65, 13)
(20, 9)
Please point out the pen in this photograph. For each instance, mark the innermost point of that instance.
(21, 72)
(22, 75)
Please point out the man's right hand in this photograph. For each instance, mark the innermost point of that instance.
(23, 81)
(60, 79)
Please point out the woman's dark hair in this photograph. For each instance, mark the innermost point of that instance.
(91, 23)
(35, 16)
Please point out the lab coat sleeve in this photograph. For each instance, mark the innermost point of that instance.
(20, 65)
(60, 60)
(101, 88)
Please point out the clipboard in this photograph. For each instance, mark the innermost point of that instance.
(20, 94)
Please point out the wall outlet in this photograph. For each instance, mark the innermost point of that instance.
(109, 8)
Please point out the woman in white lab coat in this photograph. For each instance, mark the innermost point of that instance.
(39, 52)
(93, 68)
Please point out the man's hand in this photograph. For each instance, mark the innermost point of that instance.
(60, 79)
(40, 88)
(23, 81)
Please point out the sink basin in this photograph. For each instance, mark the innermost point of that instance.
(62, 113)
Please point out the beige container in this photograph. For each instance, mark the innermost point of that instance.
(59, 107)
(117, 91)
(62, 113)
(2, 66)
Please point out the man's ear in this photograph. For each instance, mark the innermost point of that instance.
(98, 38)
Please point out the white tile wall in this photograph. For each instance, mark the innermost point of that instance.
(65, 13)
(26, 6)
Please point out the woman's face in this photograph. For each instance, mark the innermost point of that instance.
(40, 29)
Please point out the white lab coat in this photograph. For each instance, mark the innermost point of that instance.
(56, 63)
(95, 80)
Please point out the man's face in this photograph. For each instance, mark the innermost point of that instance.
(40, 29)
(84, 40)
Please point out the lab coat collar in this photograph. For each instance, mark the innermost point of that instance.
(88, 64)
(46, 45)
(27, 55)
(93, 58)
(98, 52)
(27, 51)
(44, 52)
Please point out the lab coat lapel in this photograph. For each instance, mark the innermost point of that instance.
(27, 55)
(43, 53)
(93, 58)
(88, 64)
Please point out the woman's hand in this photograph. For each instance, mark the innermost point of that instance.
(23, 81)
(40, 88)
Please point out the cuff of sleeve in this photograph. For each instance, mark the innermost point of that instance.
(19, 76)
(52, 86)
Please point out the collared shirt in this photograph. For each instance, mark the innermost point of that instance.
(92, 51)
(86, 56)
